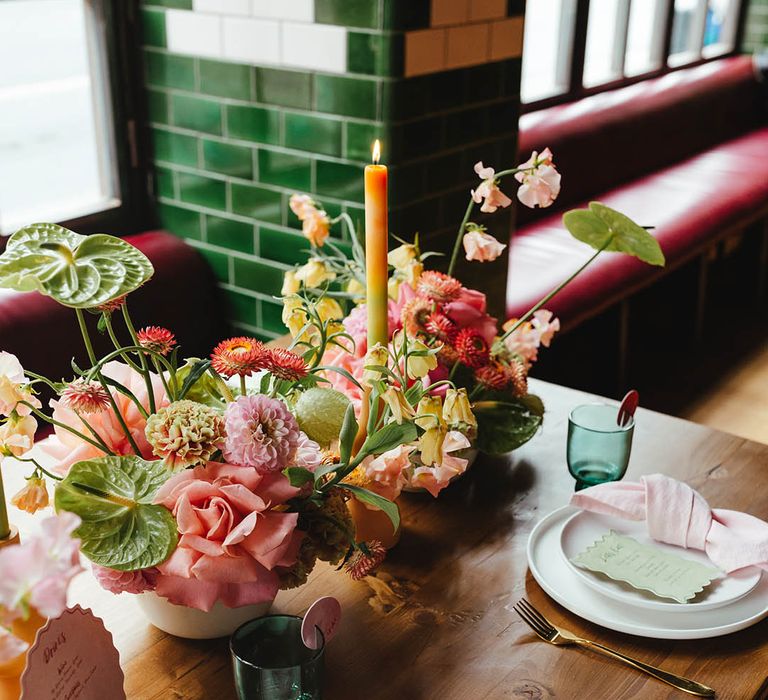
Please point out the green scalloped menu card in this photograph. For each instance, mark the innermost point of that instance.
(646, 567)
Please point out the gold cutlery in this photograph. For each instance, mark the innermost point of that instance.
(563, 638)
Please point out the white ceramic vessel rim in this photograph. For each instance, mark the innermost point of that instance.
(567, 589)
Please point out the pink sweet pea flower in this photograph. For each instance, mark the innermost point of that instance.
(435, 478)
(10, 646)
(525, 341)
(37, 572)
(540, 180)
(488, 192)
(544, 324)
(387, 471)
(481, 247)
(233, 543)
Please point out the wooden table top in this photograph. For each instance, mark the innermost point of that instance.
(436, 622)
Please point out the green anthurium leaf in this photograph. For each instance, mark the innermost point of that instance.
(77, 271)
(121, 527)
(373, 499)
(389, 437)
(599, 224)
(503, 426)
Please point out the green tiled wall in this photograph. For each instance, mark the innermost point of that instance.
(233, 141)
(756, 26)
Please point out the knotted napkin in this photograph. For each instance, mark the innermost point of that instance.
(677, 514)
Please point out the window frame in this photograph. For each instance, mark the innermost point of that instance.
(122, 41)
(578, 45)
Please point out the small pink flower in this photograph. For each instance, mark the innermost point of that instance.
(85, 397)
(10, 646)
(261, 433)
(488, 192)
(435, 478)
(387, 471)
(125, 581)
(525, 341)
(308, 454)
(545, 326)
(315, 222)
(482, 247)
(540, 180)
(37, 572)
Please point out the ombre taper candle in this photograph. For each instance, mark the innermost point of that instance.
(376, 245)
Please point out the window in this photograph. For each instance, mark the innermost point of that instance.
(607, 43)
(59, 157)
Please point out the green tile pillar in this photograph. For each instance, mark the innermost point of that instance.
(250, 102)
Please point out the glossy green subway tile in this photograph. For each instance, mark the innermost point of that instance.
(285, 169)
(511, 77)
(375, 54)
(204, 191)
(253, 123)
(271, 317)
(284, 88)
(153, 27)
(197, 113)
(503, 116)
(241, 307)
(482, 83)
(351, 97)
(258, 275)
(283, 246)
(339, 180)
(310, 133)
(166, 70)
(445, 171)
(164, 183)
(257, 202)
(219, 263)
(406, 14)
(417, 138)
(175, 148)
(157, 106)
(406, 182)
(226, 79)
(177, 4)
(179, 221)
(357, 214)
(228, 159)
(360, 138)
(403, 99)
(349, 13)
(466, 126)
(228, 233)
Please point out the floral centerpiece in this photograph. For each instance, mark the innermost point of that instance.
(448, 367)
(193, 480)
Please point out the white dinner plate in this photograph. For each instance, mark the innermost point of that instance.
(584, 528)
(561, 583)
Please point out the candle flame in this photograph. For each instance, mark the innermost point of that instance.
(376, 151)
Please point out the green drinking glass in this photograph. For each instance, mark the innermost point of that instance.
(271, 662)
(598, 447)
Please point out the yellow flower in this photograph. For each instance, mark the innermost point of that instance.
(314, 273)
(377, 355)
(402, 256)
(419, 365)
(328, 309)
(429, 413)
(291, 283)
(413, 272)
(17, 435)
(396, 401)
(32, 497)
(294, 316)
(457, 411)
(393, 287)
(354, 286)
(431, 446)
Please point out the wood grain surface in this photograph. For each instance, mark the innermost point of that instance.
(436, 622)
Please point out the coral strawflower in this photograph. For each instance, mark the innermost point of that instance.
(441, 327)
(85, 397)
(362, 562)
(493, 376)
(239, 356)
(472, 348)
(285, 364)
(438, 287)
(112, 305)
(157, 339)
(414, 315)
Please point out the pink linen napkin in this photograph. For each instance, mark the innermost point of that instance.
(677, 514)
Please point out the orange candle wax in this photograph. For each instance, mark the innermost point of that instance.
(376, 233)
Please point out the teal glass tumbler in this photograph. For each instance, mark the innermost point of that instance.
(271, 662)
(598, 447)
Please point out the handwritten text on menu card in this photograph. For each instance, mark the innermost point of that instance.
(73, 658)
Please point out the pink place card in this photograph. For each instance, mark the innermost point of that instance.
(73, 658)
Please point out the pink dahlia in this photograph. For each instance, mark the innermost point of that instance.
(125, 581)
(261, 433)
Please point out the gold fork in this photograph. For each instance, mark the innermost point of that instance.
(562, 638)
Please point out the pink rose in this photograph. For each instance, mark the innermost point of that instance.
(67, 448)
(481, 247)
(232, 543)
